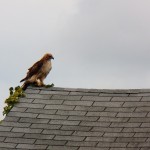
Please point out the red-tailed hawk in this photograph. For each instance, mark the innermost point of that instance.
(38, 72)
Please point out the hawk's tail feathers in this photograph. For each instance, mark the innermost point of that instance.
(23, 80)
(25, 85)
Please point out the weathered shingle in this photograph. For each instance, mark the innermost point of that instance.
(78, 119)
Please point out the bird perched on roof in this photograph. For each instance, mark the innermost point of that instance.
(38, 72)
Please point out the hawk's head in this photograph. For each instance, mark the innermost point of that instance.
(48, 56)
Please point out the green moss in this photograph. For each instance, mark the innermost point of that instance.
(49, 85)
(15, 94)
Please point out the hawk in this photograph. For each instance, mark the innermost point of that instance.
(38, 72)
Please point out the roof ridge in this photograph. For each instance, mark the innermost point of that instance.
(117, 91)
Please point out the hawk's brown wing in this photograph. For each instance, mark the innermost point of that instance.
(33, 70)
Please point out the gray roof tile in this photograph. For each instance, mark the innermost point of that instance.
(51, 142)
(88, 108)
(82, 133)
(7, 145)
(75, 128)
(57, 132)
(20, 140)
(52, 116)
(78, 119)
(60, 107)
(23, 115)
(106, 144)
(107, 129)
(83, 143)
(84, 93)
(26, 130)
(69, 138)
(102, 139)
(11, 134)
(62, 148)
(34, 120)
(64, 122)
(54, 92)
(15, 124)
(31, 146)
(2, 139)
(71, 113)
(45, 126)
(78, 103)
(40, 111)
(108, 104)
(96, 98)
(38, 136)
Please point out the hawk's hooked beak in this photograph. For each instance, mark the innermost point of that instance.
(52, 57)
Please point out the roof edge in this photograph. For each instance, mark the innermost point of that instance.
(116, 91)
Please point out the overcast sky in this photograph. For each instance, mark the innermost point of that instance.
(96, 43)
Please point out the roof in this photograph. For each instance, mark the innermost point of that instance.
(78, 119)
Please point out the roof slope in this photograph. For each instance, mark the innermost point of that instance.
(78, 119)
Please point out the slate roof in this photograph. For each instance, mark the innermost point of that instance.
(78, 119)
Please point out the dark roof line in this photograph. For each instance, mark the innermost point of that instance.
(130, 91)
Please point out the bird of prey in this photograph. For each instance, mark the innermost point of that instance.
(38, 72)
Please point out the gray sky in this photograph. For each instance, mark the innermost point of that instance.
(96, 43)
